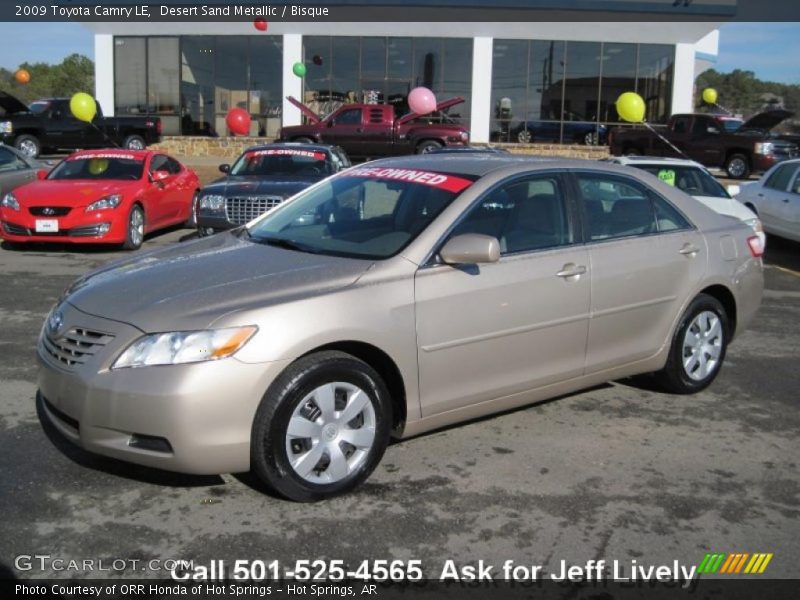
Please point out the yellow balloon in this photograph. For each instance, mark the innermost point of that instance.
(630, 107)
(83, 107)
(98, 166)
(710, 96)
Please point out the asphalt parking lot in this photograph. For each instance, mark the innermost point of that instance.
(619, 471)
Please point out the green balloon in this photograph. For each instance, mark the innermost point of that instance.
(299, 69)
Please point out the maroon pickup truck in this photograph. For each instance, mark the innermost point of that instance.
(370, 130)
(714, 141)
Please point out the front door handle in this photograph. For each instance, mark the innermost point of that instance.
(689, 250)
(571, 270)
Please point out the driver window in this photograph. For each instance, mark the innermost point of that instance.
(348, 117)
(159, 163)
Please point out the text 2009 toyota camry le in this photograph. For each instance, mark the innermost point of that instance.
(394, 298)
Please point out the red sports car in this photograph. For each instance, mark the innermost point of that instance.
(101, 197)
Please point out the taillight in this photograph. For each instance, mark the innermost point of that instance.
(158, 127)
(756, 246)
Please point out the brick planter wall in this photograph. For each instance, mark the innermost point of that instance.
(231, 147)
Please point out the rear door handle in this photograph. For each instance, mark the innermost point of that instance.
(689, 250)
(571, 270)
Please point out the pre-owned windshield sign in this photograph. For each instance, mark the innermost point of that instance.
(287, 152)
(437, 180)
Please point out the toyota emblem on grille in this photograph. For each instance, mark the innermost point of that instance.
(55, 322)
(48, 211)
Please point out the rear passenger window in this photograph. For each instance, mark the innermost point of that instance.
(779, 180)
(617, 208)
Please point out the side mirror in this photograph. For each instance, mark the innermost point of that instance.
(41, 174)
(159, 176)
(470, 248)
(225, 168)
(712, 130)
(733, 189)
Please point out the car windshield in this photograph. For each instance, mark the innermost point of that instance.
(367, 212)
(692, 180)
(282, 161)
(39, 106)
(100, 166)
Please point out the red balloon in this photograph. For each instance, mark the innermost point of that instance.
(238, 121)
(22, 76)
(260, 23)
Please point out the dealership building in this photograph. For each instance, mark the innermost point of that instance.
(509, 73)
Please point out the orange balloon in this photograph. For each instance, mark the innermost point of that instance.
(22, 76)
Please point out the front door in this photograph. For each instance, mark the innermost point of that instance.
(774, 194)
(345, 128)
(64, 130)
(492, 330)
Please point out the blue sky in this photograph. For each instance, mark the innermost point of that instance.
(771, 50)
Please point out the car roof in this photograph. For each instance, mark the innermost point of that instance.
(479, 164)
(295, 145)
(655, 160)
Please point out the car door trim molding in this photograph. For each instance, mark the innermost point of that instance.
(627, 307)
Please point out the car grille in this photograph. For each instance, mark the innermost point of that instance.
(76, 346)
(244, 209)
(84, 231)
(49, 211)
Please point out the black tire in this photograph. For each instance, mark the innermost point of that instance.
(631, 151)
(737, 166)
(270, 458)
(29, 145)
(674, 377)
(134, 142)
(303, 140)
(427, 146)
(205, 231)
(191, 222)
(134, 241)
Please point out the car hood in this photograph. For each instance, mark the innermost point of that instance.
(256, 186)
(71, 192)
(11, 105)
(190, 285)
(765, 121)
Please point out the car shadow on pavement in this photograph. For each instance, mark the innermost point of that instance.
(116, 467)
(782, 253)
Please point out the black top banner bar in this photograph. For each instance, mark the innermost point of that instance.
(395, 10)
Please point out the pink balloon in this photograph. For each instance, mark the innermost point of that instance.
(422, 101)
(238, 121)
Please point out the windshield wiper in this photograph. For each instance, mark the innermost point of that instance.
(284, 243)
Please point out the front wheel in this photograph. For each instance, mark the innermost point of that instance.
(737, 166)
(698, 347)
(28, 145)
(428, 146)
(321, 428)
(135, 231)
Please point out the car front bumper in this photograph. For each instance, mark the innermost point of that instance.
(77, 227)
(764, 162)
(192, 418)
(214, 220)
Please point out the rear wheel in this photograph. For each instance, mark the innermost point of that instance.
(737, 166)
(698, 347)
(28, 145)
(191, 222)
(135, 230)
(134, 142)
(322, 427)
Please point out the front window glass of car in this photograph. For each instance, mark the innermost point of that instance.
(100, 166)
(617, 207)
(524, 215)
(351, 116)
(364, 212)
(692, 180)
(681, 125)
(287, 162)
(780, 177)
(39, 107)
(10, 161)
(731, 125)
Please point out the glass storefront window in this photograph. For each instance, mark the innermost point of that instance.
(130, 89)
(619, 76)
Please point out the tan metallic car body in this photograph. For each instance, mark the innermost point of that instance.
(451, 342)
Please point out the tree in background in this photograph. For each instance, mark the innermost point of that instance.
(74, 74)
(742, 93)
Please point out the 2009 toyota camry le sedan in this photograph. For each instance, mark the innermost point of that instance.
(391, 299)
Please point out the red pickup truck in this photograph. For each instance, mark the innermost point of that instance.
(714, 141)
(370, 130)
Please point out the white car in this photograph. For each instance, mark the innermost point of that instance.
(775, 198)
(694, 179)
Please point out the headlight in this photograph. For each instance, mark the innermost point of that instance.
(465, 136)
(212, 202)
(10, 201)
(6, 127)
(764, 148)
(111, 201)
(180, 347)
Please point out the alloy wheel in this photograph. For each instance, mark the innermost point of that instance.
(136, 227)
(28, 148)
(702, 346)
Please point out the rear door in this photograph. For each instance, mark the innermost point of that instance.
(376, 139)
(492, 330)
(788, 212)
(645, 258)
(773, 200)
(160, 195)
(64, 130)
(704, 146)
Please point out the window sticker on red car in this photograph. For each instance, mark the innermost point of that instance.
(288, 152)
(437, 180)
(108, 155)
